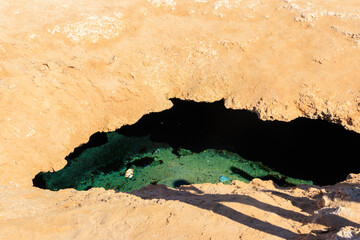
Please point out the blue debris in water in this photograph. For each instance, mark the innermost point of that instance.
(223, 179)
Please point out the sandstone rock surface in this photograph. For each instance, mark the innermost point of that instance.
(71, 68)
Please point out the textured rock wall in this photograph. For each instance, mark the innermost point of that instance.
(69, 69)
(72, 68)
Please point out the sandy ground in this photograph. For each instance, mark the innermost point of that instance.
(258, 210)
(70, 69)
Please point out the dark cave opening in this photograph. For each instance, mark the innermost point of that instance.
(307, 149)
(304, 148)
(97, 139)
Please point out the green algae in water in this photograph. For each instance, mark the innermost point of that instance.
(157, 163)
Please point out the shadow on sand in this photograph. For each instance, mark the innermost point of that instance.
(193, 196)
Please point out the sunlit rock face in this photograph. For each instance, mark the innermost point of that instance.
(71, 68)
(65, 75)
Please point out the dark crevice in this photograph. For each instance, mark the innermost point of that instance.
(97, 139)
(303, 148)
(39, 181)
(143, 162)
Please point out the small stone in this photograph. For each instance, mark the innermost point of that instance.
(323, 202)
(348, 233)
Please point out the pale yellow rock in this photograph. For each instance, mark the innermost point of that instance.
(71, 68)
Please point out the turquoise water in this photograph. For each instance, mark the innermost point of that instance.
(156, 163)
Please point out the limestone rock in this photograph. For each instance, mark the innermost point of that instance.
(71, 68)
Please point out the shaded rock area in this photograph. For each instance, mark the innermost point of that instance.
(154, 163)
(204, 143)
(302, 148)
(71, 68)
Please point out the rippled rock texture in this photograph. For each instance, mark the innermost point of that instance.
(70, 69)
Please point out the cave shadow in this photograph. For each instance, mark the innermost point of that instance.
(280, 181)
(179, 182)
(95, 140)
(241, 173)
(302, 148)
(212, 202)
